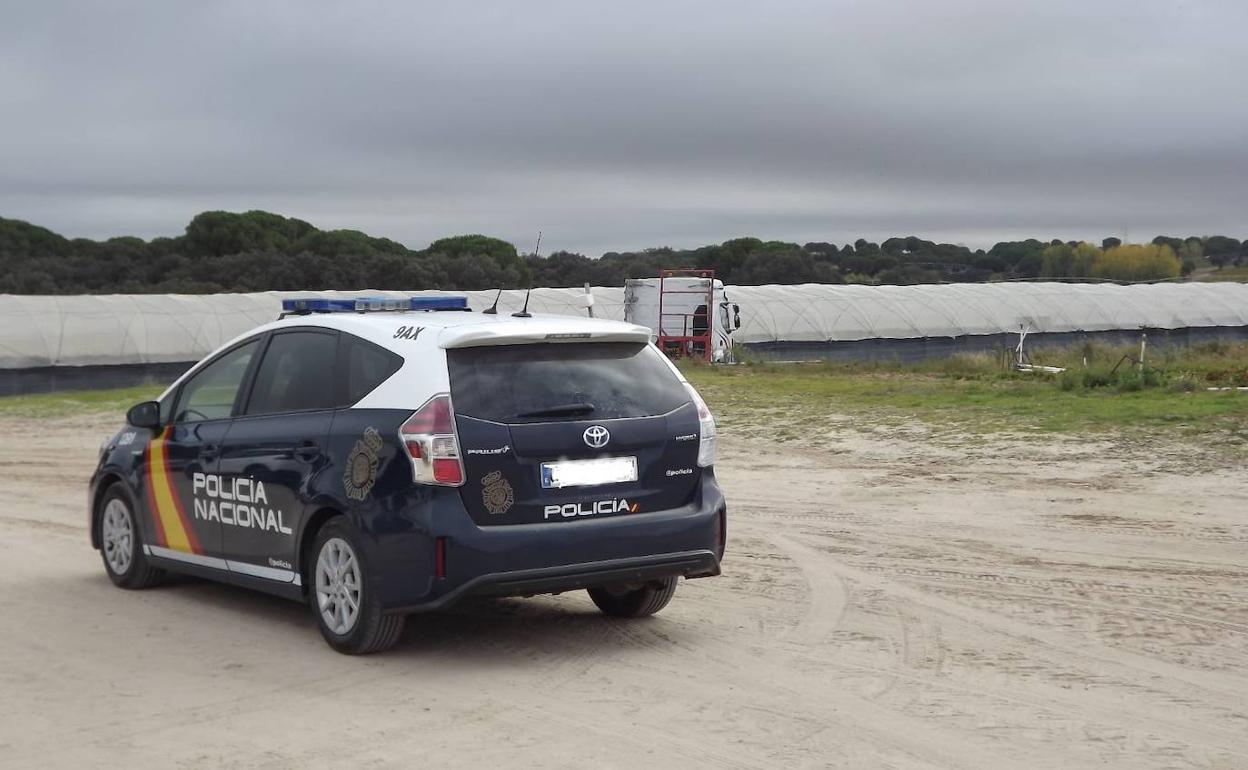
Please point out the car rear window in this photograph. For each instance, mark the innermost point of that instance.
(508, 383)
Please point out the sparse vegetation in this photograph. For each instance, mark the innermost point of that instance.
(977, 393)
(54, 405)
(970, 393)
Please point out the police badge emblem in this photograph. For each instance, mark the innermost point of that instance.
(361, 473)
(496, 493)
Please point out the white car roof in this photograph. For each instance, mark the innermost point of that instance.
(457, 329)
(421, 337)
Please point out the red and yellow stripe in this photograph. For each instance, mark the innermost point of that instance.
(173, 528)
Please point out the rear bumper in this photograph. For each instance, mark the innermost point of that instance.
(573, 577)
(528, 559)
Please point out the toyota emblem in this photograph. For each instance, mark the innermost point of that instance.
(597, 436)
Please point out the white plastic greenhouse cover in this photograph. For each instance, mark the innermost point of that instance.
(156, 328)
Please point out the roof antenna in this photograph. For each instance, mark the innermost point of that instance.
(493, 309)
(524, 312)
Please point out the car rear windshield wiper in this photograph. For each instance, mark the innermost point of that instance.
(560, 410)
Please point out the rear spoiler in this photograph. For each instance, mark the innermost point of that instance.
(540, 330)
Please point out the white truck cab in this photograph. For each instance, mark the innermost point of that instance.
(675, 307)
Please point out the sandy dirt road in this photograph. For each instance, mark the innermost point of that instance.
(885, 603)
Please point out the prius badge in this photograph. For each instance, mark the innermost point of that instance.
(596, 436)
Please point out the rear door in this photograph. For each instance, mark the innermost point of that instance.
(566, 432)
(275, 450)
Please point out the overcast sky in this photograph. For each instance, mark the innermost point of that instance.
(625, 125)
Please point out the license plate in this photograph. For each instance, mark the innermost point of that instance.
(588, 473)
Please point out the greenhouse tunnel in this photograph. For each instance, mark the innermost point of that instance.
(56, 343)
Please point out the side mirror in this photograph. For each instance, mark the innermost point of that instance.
(144, 415)
(736, 315)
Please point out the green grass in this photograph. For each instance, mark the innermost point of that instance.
(1089, 366)
(977, 394)
(52, 405)
(982, 406)
(972, 394)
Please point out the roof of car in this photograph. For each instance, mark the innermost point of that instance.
(407, 332)
(466, 329)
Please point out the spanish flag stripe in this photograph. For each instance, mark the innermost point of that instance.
(175, 533)
(177, 504)
(151, 496)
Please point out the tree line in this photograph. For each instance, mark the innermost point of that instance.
(260, 251)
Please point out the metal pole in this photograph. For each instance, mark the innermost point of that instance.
(660, 331)
(709, 344)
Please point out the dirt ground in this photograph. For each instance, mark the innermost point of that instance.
(885, 603)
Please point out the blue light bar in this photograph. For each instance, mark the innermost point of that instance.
(372, 304)
(446, 302)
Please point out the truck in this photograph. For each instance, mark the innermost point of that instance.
(687, 311)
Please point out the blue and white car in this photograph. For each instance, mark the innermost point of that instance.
(377, 458)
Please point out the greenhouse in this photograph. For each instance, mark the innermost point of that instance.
(913, 322)
(60, 342)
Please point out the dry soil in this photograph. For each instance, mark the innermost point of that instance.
(885, 603)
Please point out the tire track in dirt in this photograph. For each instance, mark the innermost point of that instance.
(1073, 585)
(774, 679)
(828, 595)
(1101, 710)
(857, 625)
(1141, 719)
(1094, 654)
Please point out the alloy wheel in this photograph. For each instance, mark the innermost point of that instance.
(338, 585)
(117, 534)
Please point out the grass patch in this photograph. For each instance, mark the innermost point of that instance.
(51, 405)
(1090, 366)
(968, 393)
(976, 394)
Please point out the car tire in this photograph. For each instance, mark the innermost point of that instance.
(120, 544)
(637, 603)
(341, 597)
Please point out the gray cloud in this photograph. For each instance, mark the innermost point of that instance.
(634, 125)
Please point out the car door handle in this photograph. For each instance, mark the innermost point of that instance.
(209, 452)
(307, 450)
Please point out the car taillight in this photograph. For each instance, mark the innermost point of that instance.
(706, 430)
(429, 437)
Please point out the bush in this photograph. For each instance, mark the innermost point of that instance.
(1130, 380)
(1227, 377)
(1096, 378)
(1152, 378)
(1184, 383)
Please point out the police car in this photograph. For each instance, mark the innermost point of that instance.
(381, 457)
